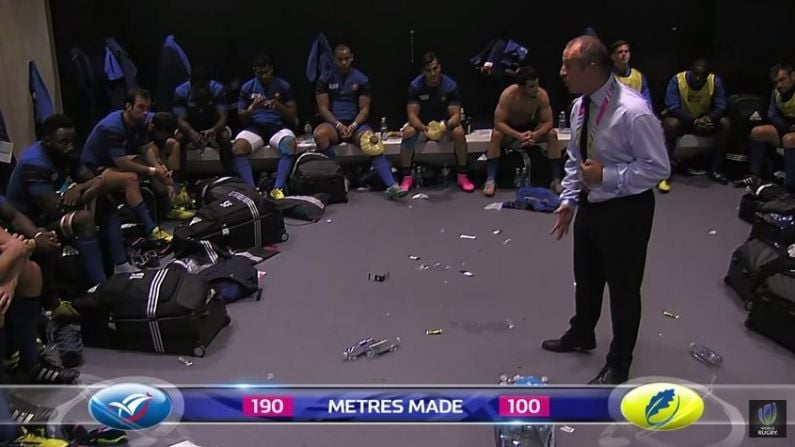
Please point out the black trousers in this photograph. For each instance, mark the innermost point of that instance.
(610, 240)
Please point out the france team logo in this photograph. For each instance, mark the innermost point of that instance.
(130, 406)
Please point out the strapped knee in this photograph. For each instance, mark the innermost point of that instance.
(284, 141)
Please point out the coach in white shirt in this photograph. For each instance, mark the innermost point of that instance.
(616, 156)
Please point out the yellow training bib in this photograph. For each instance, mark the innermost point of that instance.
(787, 108)
(634, 80)
(696, 102)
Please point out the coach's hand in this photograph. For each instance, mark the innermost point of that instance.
(563, 216)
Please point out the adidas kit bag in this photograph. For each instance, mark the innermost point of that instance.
(236, 221)
(168, 311)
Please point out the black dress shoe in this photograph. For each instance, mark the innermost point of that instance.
(568, 344)
(610, 376)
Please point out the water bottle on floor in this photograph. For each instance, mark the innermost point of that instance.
(706, 355)
(523, 178)
(517, 178)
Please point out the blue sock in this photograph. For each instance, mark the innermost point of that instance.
(243, 169)
(491, 168)
(92, 258)
(115, 239)
(23, 318)
(384, 170)
(329, 152)
(789, 168)
(144, 217)
(283, 170)
(756, 156)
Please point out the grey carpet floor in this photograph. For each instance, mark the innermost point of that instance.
(317, 300)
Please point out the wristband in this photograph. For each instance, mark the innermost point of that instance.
(338, 125)
(152, 171)
(37, 235)
(353, 126)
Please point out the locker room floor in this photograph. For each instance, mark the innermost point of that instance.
(317, 300)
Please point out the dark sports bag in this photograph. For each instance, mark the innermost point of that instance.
(307, 208)
(752, 263)
(773, 309)
(215, 189)
(165, 311)
(315, 173)
(233, 279)
(237, 221)
(767, 198)
(774, 227)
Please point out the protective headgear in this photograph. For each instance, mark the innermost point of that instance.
(370, 143)
(436, 130)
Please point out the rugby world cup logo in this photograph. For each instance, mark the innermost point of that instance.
(767, 414)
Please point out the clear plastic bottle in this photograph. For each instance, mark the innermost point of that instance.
(308, 130)
(420, 174)
(445, 175)
(517, 178)
(563, 123)
(384, 128)
(523, 180)
(705, 355)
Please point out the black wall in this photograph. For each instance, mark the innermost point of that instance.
(742, 37)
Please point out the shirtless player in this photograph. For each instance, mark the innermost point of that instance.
(523, 118)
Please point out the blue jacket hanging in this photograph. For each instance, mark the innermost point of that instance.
(321, 58)
(173, 69)
(42, 104)
(118, 64)
(500, 55)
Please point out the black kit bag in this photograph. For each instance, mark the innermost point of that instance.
(165, 311)
(315, 173)
(773, 309)
(752, 263)
(216, 188)
(237, 221)
(774, 227)
(767, 198)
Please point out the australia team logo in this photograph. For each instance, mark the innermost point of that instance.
(662, 406)
(130, 406)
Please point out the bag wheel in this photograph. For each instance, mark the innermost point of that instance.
(285, 236)
(199, 351)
